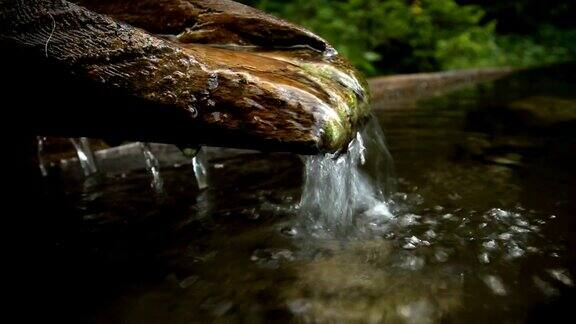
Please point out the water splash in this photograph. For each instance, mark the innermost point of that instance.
(342, 191)
(153, 167)
(200, 165)
(85, 155)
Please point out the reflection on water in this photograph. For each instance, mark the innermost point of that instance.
(481, 227)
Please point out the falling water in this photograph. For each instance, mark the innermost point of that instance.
(153, 167)
(342, 190)
(85, 155)
(200, 165)
(41, 161)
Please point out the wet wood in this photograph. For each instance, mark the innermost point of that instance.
(208, 22)
(184, 72)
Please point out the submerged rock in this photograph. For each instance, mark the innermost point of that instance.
(185, 72)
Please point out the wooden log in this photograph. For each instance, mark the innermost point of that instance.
(175, 71)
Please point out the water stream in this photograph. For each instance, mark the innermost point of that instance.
(478, 226)
(200, 166)
(41, 141)
(341, 191)
(153, 168)
(85, 155)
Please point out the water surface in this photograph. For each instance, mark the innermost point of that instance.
(482, 226)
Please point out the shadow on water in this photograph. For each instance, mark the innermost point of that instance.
(482, 228)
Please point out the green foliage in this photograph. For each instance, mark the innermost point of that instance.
(391, 36)
(549, 45)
